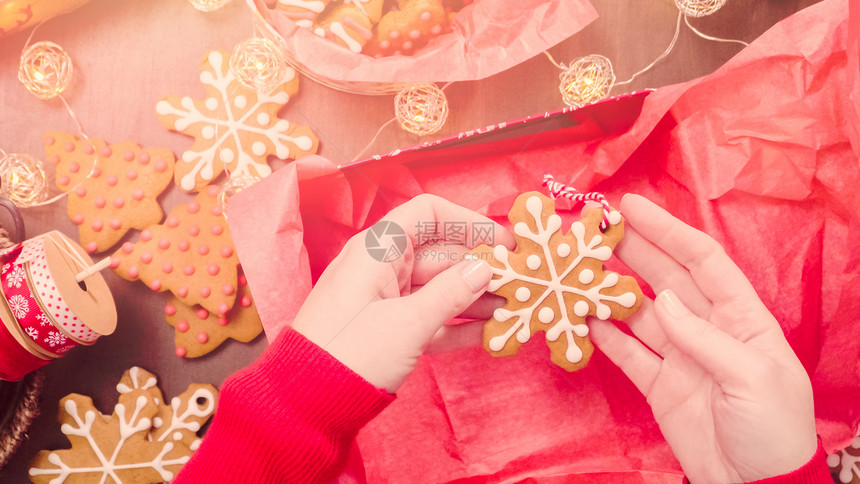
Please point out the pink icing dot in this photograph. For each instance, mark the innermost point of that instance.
(188, 270)
(182, 326)
(436, 29)
(170, 310)
(385, 44)
(91, 247)
(183, 245)
(245, 302)
(115, 224)
(96, 172)
(137, 194)
(74, 168)
(194, 230)
(160, 166)
(167, 268)
(63, 180)
(213, 190)
(426, 16)
(88, 149)
(111, 180)
(97, 225)
(226, 251)
(414, 34)
(243, 280)
(114, 262)
(203, 250)
(70, 147)
(223, 321)
(146, 236)
(106, 151)
(202, 337)
(146, 257)
(133, 272)
(78, 219)
(216, 210)
(127, 247)
(128, 156)
(155, 285)
(143, 158)
(100, 202)
(407, 45)
(131, 174)
(49, 140)
(227, 289)
(55, 159)
(81, 192)
(202, 313)
(172, 222)
(205, 291)
(182, 292)
(180, 351)
(394, 34)
(193, 207)
(223, 308)
(118, 202)
(163, 244)
(213, 269)
(217, 229)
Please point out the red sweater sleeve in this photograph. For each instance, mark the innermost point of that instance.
(813, 472)
(289, 417)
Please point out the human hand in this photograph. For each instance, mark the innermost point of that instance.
(729, 394)
(377, 318)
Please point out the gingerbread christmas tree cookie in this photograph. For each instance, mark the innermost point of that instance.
(197, 331)
(235, 128)
(120, 192)
(191, 254)
(554, 280)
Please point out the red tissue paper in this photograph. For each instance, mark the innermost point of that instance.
(762, 154)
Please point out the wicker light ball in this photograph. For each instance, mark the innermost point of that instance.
(699, 8)
(22, 179)
(234, 185)
(421, 109)
(208, 5)
(586, 80)
(45, 69)
(259, 64)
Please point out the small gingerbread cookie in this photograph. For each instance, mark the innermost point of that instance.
(190, 254)
(303, 12)
(197, 331)
(554, 280)
(349, 26)
(234, 128)
(406, 30)
(179, 420)
(845, 464)
(120, 193)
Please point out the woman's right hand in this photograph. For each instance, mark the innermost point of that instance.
(729, 394)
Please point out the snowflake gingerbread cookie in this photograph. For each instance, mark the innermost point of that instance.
(235, 128)
(554, 280)
(845, 464)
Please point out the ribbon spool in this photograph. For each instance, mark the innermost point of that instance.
(45, 311)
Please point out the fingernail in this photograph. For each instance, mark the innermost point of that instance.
(670, 302)
(477, 275)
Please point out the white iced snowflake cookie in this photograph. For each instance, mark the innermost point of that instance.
(554, 280)
(235, 127)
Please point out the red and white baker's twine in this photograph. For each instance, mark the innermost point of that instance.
(557, 190)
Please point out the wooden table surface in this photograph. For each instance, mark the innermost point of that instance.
(128, 54)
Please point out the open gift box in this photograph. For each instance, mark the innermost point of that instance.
(761, 154)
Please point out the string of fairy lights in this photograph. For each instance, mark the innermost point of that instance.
(45, 70)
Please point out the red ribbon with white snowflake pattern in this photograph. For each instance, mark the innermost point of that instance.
(557, 190)
(29, 307)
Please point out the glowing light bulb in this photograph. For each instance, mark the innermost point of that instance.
(586, 80)
(421, 109)
(45, 69)
(259, 64)
(22, 179)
